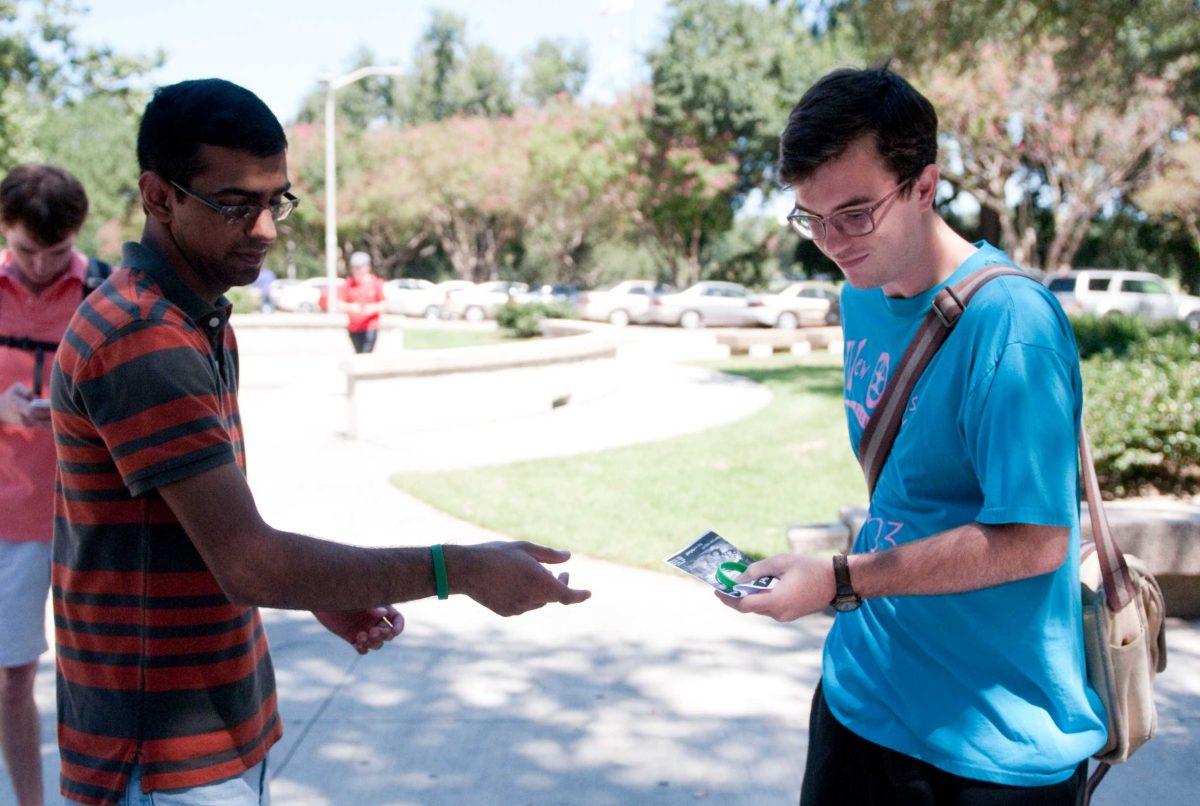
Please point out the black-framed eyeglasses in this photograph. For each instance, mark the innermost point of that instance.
(244, 213)
(851, 223)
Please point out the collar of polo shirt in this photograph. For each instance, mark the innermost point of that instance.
(142, 258)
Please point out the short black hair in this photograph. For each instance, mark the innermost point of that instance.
(848, 104)
(48, 201)
(208, 111)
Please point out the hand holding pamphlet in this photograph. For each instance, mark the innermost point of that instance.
(714, 560)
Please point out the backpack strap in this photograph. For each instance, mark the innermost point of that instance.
(883, 427)
(97, 272)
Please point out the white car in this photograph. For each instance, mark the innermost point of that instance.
(410, 296)
(303, 296)
(480, 302)
(621, 303)
(800, 304)
(1101, 292)
(708, 303)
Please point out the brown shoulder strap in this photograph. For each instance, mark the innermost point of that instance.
(883, 427)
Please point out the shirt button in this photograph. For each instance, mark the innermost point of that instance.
(214, 322)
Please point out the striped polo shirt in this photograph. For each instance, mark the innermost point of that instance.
(155, 665)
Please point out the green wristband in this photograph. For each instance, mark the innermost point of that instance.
(725, 568)
(440, 580)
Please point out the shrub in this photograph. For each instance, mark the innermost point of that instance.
(1143, 416)
(1118, 335)
(521, 319)
(244, 300)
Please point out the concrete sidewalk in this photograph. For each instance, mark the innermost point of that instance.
(652, 692)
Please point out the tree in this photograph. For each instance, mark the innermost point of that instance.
(728, 73)
(1103, 43)
(1176, 191)
(451, 77)
(43, 66)
(367, 102)
(553, 68)
(95, 139)
(1011, 133)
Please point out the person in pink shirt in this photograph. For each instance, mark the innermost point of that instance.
(42, 282)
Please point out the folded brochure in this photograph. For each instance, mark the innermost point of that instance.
(706, 553)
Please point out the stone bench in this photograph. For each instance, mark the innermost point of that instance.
(570, 343)
(764, 341)
(1165, 534)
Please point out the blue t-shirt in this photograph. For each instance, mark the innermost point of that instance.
(988, 684)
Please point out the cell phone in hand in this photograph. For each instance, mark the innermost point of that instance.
(40, 407)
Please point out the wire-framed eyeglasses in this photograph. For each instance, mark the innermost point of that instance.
(851, 223)
(244, 213)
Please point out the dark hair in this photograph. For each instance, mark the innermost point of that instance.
(209, 111)
(50, 202)
(848, 104)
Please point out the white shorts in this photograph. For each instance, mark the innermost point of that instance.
(24, 583)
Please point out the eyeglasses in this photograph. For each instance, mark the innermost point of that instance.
(244, 213)
(851, 223)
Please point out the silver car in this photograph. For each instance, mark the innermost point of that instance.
(621, 303)
(708, 303)
(1101, 292)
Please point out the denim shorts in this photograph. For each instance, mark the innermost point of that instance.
(24, 583)
(251, 788)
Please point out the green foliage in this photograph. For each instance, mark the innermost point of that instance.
(521, 319)
(1103, 42)
(1141, 396)
(1119, 336)
(728, 73)
(1143, 417)
(244, 300)
(43, 66)
(554, 67)
(95, 139)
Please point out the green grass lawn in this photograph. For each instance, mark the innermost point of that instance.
(789, 463)
(441, 339)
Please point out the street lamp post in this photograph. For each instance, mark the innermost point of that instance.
(333, 85)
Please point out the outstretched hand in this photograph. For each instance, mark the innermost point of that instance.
(805, 586)
(509, 578)
(363, 629)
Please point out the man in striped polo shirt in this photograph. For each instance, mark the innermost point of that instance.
(160, 556)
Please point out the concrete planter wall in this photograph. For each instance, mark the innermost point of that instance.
(1166, 535)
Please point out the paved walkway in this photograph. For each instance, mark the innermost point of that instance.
(649, 693)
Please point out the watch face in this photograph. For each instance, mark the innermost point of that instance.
(846, 605)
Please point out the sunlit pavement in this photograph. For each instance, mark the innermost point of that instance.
(650, 693)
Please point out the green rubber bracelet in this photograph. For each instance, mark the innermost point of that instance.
(732, 565)
(440, 580)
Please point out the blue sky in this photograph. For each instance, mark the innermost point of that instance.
(279, 49)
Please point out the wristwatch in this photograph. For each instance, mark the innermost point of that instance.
(846, 599)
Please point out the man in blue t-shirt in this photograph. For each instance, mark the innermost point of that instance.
(954, 672)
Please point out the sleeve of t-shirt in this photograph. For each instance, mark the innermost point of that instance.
(1021, 438)
(155, 399)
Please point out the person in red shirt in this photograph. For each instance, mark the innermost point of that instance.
(362, 298)
(41, 285)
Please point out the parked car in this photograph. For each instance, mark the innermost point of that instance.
(480, 302)
(1113, 291)
(303, 296)
(550, 294)
(801, 303)
(621, 303)
(410, 296)
(707, 303)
